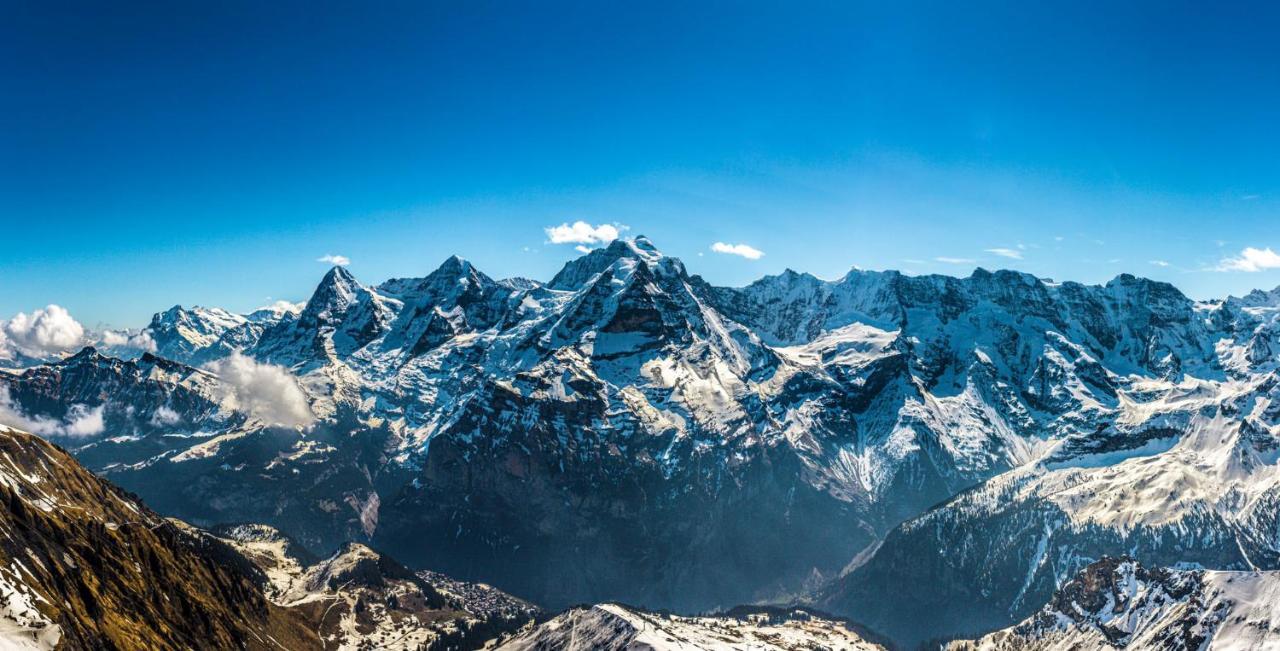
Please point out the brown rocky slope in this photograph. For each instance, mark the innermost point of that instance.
(84, 565)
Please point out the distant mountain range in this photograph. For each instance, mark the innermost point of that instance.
(935, 458)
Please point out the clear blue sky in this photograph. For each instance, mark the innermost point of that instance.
(208, 153)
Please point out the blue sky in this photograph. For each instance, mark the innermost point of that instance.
(161, 154)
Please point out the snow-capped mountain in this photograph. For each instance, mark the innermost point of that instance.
(1119, 604)
(613, 627)
(1178, 472)
(189, 335)
(88, 395)
(932, 456)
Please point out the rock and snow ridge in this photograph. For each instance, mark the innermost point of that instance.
(1182, 474)
(613, 627)
(360, 599)
(1119, 604)
(628, 432)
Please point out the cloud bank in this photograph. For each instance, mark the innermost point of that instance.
(264, 392)
(743, 250)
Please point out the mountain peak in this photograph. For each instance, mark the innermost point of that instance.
(454, 266)
(577, 272)
(645, 244)
(1004, 276)
(338, 279)
(338, 274)
(451, 273)
(86, 353)
(170, 316)
(1128, 284)
(337, 290)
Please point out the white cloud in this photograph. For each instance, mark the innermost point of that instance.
(339, 260)
(83, 421)
(123, 339)
(165, 416)
(1006, 253)
(44, 332)
(948, 260)
(581, 233)
(282, 307)
(1252, 260)
(265, 392)
(286, 306)
(1159, 263)
(744, 250)
(80, 421)
(582, 248)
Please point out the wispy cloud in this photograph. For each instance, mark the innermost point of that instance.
(80, 420)
(1006, 253)
(1251, 259)
(583, 234)
(1159, 263)
(743, 250)
(339, 260)
(949, 260)
(165, 416)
